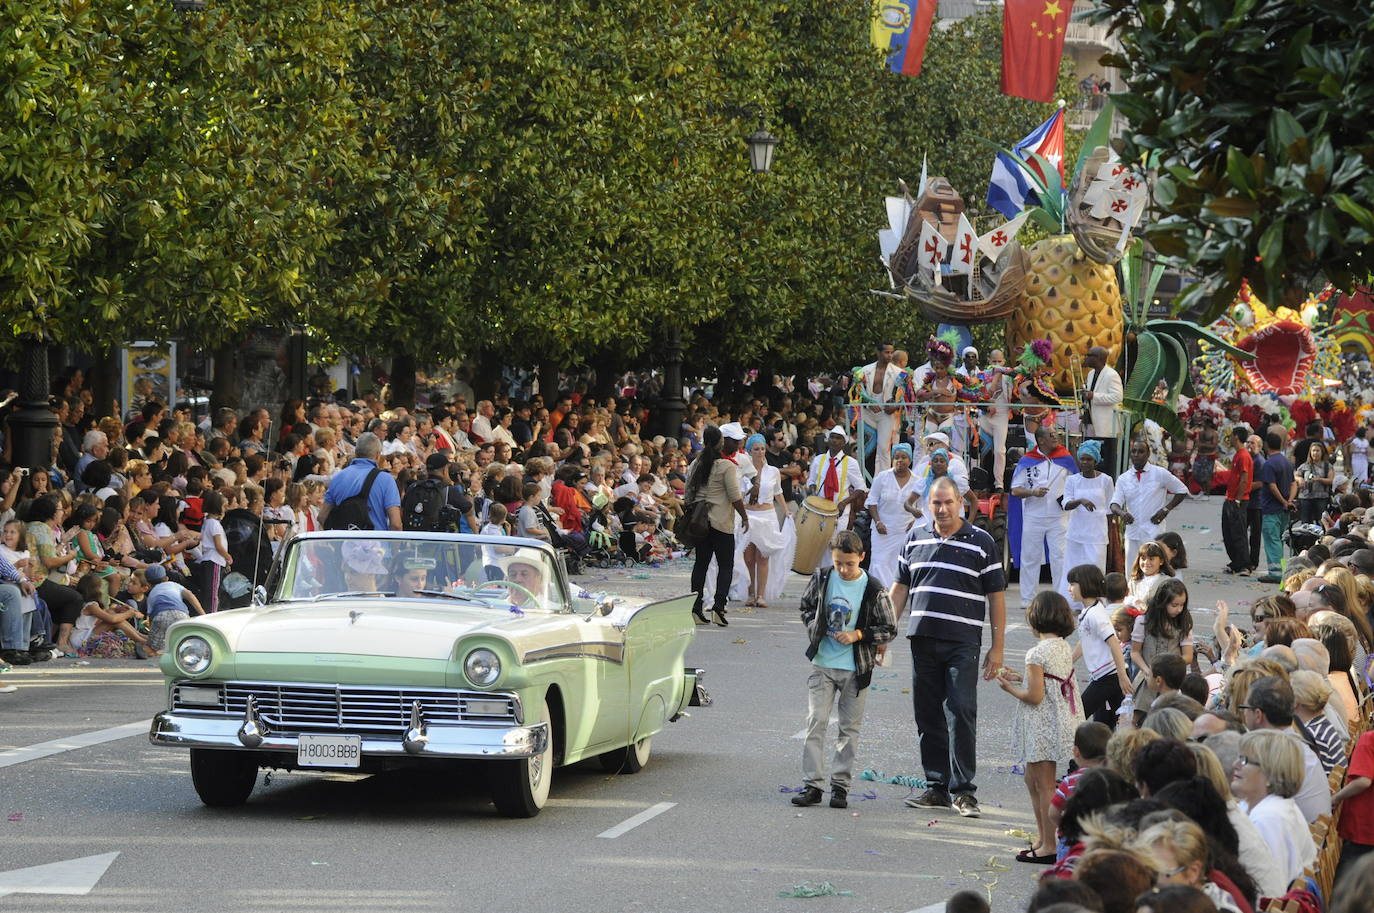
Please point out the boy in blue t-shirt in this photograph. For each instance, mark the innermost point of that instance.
(168, 602)
(848, 616)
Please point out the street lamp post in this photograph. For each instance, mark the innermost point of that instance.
(671, 406)
(33, 422)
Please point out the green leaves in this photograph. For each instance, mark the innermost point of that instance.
(1268, 168)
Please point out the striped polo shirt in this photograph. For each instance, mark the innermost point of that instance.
(948, 581)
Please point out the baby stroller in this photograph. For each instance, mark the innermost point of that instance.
(1302, 536)
(603, 537)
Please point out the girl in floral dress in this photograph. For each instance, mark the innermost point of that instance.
(1048, 713)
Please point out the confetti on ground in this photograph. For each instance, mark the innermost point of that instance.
(1020, 833)
(16, 817)
(872, 853)
(807, 889)
(906, 690)
(791, 789)
(932, 822)
(639, 576)
(877, 776)
(740, 640)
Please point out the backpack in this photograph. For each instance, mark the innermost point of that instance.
(425, 508)
(352, 513)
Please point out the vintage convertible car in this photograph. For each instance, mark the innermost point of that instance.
(370, 651)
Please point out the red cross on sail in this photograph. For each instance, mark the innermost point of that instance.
(965, 242)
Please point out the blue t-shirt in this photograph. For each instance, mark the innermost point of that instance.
(1278, 470)
(842, 601)
(349, 481)
(166, 596)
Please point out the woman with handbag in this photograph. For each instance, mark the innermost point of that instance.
(713, 481)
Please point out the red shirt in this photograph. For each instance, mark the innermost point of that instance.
(1065, 789)
(1357, 812)
(1242, 465)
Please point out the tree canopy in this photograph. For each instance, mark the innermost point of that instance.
(478, 176)
(1256, 114)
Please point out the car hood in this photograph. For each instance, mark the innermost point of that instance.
(421, 630)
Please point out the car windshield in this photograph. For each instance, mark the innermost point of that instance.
(439, 569)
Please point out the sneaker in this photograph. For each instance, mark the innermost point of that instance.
(839, 797)
(16, 657)
(935, 797)
(7, 689)
(808, 796)
(1269, 578)
(967, 806)
(1244, 572)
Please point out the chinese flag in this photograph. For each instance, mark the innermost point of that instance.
(1032, 43)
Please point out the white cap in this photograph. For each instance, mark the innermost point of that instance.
(968, 349)
(937, 436)
(733, 430)
(839, 431)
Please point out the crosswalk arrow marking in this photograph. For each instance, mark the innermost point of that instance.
(74, 876)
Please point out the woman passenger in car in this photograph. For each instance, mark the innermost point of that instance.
(362, 564)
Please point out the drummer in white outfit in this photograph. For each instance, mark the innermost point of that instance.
(886, 505)
(764, 538)
(837, 476)
(1087, 499)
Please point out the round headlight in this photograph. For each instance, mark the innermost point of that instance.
(482, 666)
(193, 655)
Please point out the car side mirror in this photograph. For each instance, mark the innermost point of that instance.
(259, 595)
(605, 608)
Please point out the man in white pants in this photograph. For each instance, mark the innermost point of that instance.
(1145, 495)
(880, 381)
(1039, 482)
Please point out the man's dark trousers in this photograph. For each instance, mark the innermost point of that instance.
(1235, 534)
(944, 696)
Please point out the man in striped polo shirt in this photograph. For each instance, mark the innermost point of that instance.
(950, 579)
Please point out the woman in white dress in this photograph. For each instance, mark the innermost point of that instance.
(1087, 495)
(1359, 457)
(764, 538)
(891, 521)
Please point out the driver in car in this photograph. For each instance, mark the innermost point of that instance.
(363, 563)
(527, 572)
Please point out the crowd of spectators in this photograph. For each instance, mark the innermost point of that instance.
(208, 498)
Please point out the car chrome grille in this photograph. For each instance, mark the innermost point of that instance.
(353, 708)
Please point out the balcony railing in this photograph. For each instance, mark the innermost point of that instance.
(1081, 34)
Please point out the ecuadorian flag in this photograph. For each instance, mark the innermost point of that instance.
(901, 28)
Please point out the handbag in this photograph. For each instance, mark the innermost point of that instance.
(697, 522)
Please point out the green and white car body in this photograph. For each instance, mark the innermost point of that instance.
(338, 669)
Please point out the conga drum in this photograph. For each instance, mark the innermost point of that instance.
(816, 521)
(1116, 546)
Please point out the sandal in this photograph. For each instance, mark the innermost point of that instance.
(1028, 855)
(760, 604)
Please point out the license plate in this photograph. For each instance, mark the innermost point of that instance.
(329, 751)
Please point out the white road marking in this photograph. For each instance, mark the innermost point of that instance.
(933, 908)
(74, 876)
(70, 743)
(635, 821)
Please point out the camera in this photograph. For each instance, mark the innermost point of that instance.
(23, 472)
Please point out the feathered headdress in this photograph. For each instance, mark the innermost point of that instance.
(941, 348)
(1036, 354)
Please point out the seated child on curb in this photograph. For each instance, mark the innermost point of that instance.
(1089, 750)
(102, 629)
(1168, 671)
(168, 602)
(848, 616)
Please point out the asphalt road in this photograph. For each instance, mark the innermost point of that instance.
(712, 830)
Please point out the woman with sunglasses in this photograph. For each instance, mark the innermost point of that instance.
(1267, 774)
(1181, 856)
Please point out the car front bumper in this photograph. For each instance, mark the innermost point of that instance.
(188, 729)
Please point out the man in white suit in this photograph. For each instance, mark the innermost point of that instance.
(1102, 395)
(880, 380)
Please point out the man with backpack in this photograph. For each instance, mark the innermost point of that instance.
(361, 495)
(435, 504)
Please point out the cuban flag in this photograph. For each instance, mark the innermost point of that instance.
(1010, 189)
(901, 28)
